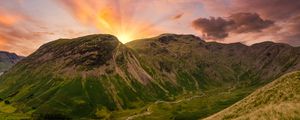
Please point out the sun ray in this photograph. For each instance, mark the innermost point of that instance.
(121, 18)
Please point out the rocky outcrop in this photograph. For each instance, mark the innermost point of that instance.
(7, 60)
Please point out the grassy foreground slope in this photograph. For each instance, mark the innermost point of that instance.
(279, 99)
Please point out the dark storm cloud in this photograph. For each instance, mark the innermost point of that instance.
(219, 28)
(284, 12)
(213, 27)
(248, 22)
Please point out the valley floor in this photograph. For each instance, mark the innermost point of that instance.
(189, 107)
(149, 108)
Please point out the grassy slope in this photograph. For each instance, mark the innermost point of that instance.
(277, 100)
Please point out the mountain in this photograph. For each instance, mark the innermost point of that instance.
(7, 60)
(220, 63)
(96, 75)
(279, 99)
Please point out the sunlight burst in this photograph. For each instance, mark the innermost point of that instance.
(124, 38)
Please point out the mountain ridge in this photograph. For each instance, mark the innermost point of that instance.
(97, 72)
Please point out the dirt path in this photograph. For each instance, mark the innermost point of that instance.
(149, 112)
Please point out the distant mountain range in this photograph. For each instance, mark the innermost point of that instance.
(98, 77)
(7, 60)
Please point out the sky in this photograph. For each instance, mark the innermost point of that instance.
(27, 24)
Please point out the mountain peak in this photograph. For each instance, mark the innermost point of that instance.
(88, 51)
(95, 38)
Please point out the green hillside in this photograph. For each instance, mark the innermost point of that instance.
(98, 77)
(278, 100)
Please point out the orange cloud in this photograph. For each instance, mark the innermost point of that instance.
(15, 36)
(7, 19)
(108, 17)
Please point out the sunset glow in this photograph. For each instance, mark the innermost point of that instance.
(149, 59)
(116, 18)
(27, 24)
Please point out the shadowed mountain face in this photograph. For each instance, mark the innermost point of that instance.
(7, 60)
(82, 76)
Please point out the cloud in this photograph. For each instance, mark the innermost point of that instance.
(8, 19)
(285, 29)
(286, 13)
(290, 31)
(178, 16)
(131, 19)
(273, 9)
(219, 28)
(25, 25)
(213, 28)
(107, 17)
(19, 39)
(248, 22)
(17, 34)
